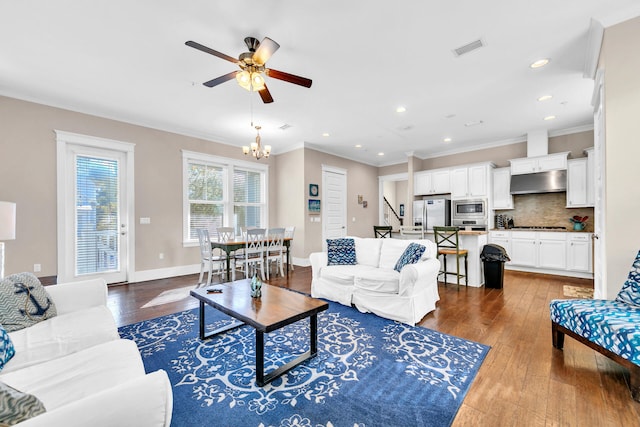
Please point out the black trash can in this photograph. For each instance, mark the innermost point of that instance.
(493, 258)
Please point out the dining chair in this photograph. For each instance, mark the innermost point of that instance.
(288, 234)
(382, 231)
(275, 249)
(411, 231)
(448, 241)
(253, 255)
(207, 257)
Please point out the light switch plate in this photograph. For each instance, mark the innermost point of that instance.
(145, 220)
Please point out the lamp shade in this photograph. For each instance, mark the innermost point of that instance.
(7, 221)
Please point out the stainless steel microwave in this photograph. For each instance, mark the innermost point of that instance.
(469, 212)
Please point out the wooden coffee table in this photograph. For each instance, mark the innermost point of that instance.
(276, 308)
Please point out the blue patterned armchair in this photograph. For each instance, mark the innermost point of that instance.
(609, 327)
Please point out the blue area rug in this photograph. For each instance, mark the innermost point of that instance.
(368, 371)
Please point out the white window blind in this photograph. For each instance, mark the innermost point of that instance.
(222, 192)
(97, 206)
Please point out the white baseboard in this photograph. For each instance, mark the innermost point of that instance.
(183, 270)
(302, 262)
(163, 273)
(566, 273)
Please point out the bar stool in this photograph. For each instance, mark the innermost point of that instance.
(382, 231)
(448, 242)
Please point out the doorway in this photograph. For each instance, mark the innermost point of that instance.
(95, 208)
(334, 194)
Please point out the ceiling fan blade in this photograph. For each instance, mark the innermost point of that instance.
(267, 48)
(265, 95)
(211, 51)
(291, 78)
(221, 79)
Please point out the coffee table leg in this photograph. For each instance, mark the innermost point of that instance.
(260, 358)
(313, 326)
(201, 320)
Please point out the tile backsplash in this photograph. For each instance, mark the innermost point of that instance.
(548, 209)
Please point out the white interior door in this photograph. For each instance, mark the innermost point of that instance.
(94, 213)
(334, 194)
(599, 264)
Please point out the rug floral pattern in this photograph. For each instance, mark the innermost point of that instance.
(354, 351)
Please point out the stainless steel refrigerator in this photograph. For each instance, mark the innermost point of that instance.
(432, 212)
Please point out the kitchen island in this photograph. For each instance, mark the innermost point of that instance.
(474, 242)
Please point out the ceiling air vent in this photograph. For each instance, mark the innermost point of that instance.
(285, 126)
(476, 44)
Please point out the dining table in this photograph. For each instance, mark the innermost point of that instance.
(233, 245)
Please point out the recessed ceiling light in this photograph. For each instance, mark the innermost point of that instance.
(474, 123)
(325, 134)
(401, 109)
(545, 97)
(358, 146)
(381, 154)
(447, 140)
(550, 118)
(539, 63)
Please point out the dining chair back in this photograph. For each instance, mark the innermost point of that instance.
(382, 231)
(207, 257)
(288, 234)
(448, 241)
(253, 256)
(275, 249)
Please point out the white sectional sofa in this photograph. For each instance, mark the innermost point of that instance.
(372, 285)
(76, 364)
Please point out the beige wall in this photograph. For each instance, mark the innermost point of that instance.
(290, 193)
(622, 150)
(28, 177)
(361, 179)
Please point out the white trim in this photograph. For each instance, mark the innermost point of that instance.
(63, 139)
(164, 273)
(565, 273)
(594, 44)
(404, 176)
(301, 262)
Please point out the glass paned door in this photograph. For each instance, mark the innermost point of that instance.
(97, 215)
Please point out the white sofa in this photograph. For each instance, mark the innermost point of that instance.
(85, 375)
(372, 285)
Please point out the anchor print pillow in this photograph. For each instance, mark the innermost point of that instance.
(23, 302)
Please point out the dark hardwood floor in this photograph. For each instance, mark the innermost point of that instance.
(524, 381)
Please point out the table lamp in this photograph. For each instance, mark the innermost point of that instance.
(7, 228)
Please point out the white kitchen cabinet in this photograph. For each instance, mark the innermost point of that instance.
(577, 183)
(524, 249)
(470, 181)
(552, 251)
(539, 249)
(579, 252)
(502, 198)
(549, 162)
(431, 182)
(502, 238)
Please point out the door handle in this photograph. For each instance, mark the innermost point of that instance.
(595, 236)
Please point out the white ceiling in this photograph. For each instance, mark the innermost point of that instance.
(127, 60)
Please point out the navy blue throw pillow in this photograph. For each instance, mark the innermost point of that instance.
(341, 252)
(411, 255)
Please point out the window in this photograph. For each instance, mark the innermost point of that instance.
(220, 192)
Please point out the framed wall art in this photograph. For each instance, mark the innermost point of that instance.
(313, 190)
(314, 206)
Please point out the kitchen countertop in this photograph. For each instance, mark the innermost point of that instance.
(542, 229)
(465, 232)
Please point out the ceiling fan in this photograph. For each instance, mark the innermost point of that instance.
(252, 67)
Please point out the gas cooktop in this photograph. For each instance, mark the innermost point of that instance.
(539, 227)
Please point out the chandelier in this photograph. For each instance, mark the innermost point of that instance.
(256, 148)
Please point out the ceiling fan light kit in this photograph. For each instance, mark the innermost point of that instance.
(252, 67)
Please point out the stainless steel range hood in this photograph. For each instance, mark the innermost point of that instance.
(541, 182)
